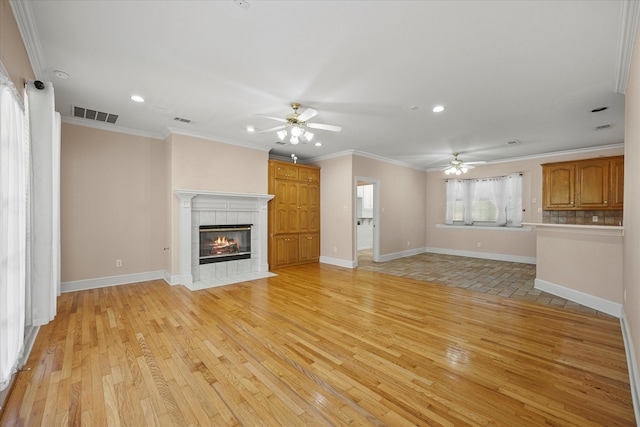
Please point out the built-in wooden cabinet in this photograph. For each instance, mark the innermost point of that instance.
(592, 184)
(294, 214)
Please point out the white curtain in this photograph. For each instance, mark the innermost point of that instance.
(453, 187)
(514, 187)
(14, 172)
(44, 127)
(504, 192)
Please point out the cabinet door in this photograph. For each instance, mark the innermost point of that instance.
(285, 171)
(307, 174)
(309, 207)
(559, 186)
(314, 208)
(293, 207)
(285, 250)
(616, 183)
(281, 208)
(593, 184)
(309, 247)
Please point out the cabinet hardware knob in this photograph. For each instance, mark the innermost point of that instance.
(605, 202)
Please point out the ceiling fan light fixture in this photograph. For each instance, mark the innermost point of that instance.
(294, 140)
(308, 136)
(282, 134)
(318, 144)
(296, 131)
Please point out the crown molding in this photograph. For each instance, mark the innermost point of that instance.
(364, 154)
(543, 155)
(175, 131)
(27, 26)
(109, 127)
(628, 28)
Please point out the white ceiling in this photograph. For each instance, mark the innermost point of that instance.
(505, 70)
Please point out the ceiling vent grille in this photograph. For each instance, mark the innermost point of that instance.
(603, 127)
(98, 116)
(182, 120)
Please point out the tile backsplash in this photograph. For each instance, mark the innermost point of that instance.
(582, 217)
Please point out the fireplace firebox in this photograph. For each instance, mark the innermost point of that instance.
(220, 243)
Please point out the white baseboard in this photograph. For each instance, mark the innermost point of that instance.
(338, 262)
(634, 381)
(403, 254)
(483, 255)
(597, 303)
(102, 282)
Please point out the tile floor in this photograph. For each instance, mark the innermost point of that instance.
(507, 279)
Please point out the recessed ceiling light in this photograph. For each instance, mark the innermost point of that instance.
(318, 144)
(250, 128)
(438, 109)
(137, 98)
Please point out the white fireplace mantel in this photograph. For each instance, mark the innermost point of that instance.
(210, 201)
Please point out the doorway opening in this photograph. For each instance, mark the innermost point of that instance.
(366, 215)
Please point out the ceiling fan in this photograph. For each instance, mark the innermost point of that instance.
(458, 167)
(296, 124)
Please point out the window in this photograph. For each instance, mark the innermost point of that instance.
(490, 201)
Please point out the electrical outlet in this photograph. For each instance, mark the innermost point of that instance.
(594, 218)
(118, 263)
(408, 242)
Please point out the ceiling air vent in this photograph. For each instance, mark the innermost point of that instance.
(182, 120)
(603, 127)
(98, 116)
(280, 143)
(514, 142)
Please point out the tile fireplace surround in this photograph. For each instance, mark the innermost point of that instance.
(214, 208)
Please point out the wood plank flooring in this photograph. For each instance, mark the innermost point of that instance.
(321, 346)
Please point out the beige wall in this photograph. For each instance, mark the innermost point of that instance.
(112, 193)
(336, 208)
(403, 203)
(198, 164)
(13, 54)
(631, 276)
(582, 260)
(513, 243)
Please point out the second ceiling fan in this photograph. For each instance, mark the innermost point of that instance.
(297, 126)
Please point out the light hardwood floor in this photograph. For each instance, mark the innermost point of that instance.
(320, 345)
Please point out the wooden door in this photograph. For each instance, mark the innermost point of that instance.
(281, 208)
(593, 184)
(616, 183)
(559, 185)
(309, 247)
(293, 207)
(307, 174)
(285, 171)
(285, 250)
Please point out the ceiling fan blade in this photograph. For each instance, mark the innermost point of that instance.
(475, 163)
(307, 114)
(332, 128)
(272, 118)
(273, 129)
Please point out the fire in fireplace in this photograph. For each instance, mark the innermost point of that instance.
(224, 243)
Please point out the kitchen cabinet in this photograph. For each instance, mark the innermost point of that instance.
(294, 214)
(591, 184)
